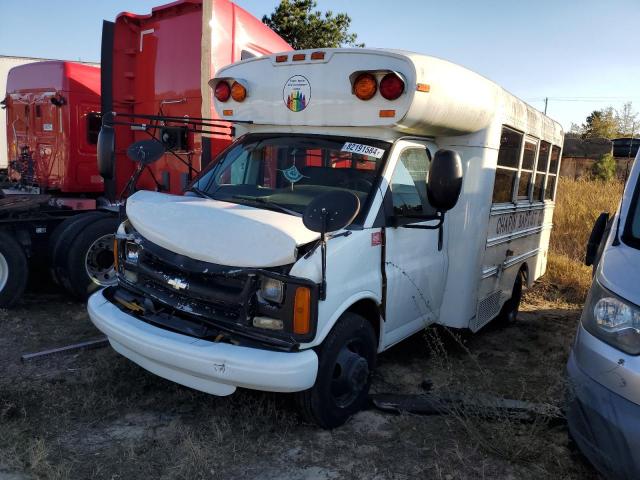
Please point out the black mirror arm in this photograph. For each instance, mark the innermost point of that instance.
(439, 226)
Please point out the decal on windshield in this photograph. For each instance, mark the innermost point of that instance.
(292, 174)
(363, 149)
(296, 93)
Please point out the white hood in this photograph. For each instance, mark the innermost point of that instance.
(218, 232)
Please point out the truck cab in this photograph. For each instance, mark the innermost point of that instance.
(362, 202)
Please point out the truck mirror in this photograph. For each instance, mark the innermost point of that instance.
(145, 152)
(331, 211)
(445, 180)
(597, 233)
(106, 151)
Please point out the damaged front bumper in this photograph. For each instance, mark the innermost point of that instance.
(213, 367)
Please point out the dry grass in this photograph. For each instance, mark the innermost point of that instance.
(578, 205)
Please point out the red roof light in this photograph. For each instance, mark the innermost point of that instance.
(391, 86)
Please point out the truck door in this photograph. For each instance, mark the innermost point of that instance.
(414, 267)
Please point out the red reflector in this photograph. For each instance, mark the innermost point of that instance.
(387, 113)
(222, 91)
(281, 58)
(227, 113)
(391, 86)
(317, 56)
(423, 87)
(298, 56)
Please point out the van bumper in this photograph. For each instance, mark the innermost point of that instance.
(603, 424)
(216, 368)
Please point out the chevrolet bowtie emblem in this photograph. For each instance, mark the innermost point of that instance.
(178, 283)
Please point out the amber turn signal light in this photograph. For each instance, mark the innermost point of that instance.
(302, 311)
(365, 86)
(238, 92)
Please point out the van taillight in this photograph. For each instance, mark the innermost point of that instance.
(391, 86)
(238, 92)
(365, 86)
(222, 91)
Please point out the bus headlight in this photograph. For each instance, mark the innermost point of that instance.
(272, 290)
(612, 320)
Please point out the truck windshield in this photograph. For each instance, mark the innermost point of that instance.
(285, 173)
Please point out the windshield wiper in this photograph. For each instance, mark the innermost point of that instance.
(267, 203)
(199, 192)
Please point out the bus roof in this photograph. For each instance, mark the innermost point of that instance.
(440, 97)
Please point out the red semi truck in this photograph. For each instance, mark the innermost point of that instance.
(154, 74)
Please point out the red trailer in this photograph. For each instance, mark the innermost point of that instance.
(154, 74)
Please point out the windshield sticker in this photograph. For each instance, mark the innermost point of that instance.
(363, 149)
(297, 93)
(292, 174)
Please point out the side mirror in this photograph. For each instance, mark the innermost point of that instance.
(145, 152)
(331, 211)
(106, 152)
(445, 180)
(597, 234)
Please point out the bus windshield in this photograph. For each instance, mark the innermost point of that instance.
(286, 172)
(632, 229)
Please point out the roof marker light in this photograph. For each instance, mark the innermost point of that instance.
(238, 92)
(317, 56)
(365, 86)
(391, 86)
(298, 57)
(281, 58)
(222, 91)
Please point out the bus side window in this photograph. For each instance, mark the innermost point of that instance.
(552, 176)
(541, 171)
(526, 170)
(408, 184)
(507, 168)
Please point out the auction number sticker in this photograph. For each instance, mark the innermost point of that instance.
(363, 149)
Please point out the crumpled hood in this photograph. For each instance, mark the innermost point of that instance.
(620, 271)
(218, 232)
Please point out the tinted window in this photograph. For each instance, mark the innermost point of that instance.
(94, 122)
(543, 157)
(526, 173)
(529, 155)
(555, 159)
(503, 187)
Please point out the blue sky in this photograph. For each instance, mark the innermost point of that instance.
(582, 54)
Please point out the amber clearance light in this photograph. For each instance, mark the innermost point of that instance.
(238, 92)
(302, 311)
(365, 86)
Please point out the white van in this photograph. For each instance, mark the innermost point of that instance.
(371, 193)
(604, 365)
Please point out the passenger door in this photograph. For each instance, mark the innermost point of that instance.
(414, 267)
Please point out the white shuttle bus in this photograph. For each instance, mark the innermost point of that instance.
(370, 193)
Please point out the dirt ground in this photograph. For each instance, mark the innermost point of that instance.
(94, 414)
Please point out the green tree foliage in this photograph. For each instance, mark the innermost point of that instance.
(601, 123)
(605, 168)
(302, 28)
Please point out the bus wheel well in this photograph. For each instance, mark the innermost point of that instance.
(368, 309)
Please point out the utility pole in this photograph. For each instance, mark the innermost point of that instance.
(546, 100)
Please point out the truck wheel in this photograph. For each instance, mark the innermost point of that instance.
(90, 259)
(509, 311)
(14, 270)
(62, 237)
(347, 358)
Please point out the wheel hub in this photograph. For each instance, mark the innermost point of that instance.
(99, 261)
(350, 376)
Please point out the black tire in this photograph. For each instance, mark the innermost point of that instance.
(97, 237)
(509, 312)
(62, 237)
(347, 358)
(14, 270)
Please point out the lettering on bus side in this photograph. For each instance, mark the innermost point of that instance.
(519, 221)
